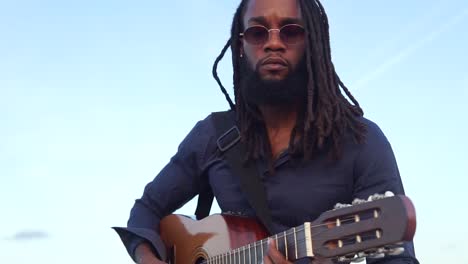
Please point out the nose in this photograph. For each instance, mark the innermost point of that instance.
(274, 42)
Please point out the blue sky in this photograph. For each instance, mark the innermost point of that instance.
(95, 96)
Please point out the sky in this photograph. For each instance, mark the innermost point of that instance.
(95, 97)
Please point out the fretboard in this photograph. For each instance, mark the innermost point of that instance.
(294, 243)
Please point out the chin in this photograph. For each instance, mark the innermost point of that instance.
(274, 77)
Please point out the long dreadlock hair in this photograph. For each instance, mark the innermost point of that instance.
(327, 115)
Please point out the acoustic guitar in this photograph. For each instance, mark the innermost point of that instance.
(372, 228)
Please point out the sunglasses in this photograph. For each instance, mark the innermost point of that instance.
(259, 35)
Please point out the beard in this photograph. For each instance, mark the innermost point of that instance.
(278, 93)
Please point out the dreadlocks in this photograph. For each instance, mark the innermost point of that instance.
(327, 115)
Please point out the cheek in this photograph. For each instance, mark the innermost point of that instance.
(298, 54)
(252, 55)
(300, 50)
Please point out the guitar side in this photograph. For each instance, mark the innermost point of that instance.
(189, 241)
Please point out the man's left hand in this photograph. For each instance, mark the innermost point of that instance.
(275, 257)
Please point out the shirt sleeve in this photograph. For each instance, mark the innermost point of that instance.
(178, 182)
(376, 171)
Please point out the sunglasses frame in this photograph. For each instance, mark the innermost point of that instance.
(242, 35)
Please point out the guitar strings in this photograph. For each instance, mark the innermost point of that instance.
(299, 229)
(281, 236)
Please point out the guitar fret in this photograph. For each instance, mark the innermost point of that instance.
(239, 254)
(276, 240)
(285, 245)
(243, 252)
(250, 256)
(261, 248)
(255, 252)
(295, 242)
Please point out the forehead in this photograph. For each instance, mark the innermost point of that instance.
(271, 11)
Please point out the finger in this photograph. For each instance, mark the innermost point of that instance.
(267, 260)
(274, 254)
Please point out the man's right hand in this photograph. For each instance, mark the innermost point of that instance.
(144, 255)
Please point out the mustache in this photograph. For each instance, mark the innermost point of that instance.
(272, 59)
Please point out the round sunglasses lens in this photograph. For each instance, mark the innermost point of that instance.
(256, 35)
(292, 34)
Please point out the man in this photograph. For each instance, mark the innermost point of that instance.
(307, 140)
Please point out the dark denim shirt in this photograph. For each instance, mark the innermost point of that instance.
(296, 192)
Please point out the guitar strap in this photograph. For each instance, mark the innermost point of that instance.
(233, 149)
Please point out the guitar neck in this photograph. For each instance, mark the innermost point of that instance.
(294, 243)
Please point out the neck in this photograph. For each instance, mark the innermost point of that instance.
(279, 117)
(279, 123)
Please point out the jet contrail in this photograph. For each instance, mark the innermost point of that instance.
(410, 49)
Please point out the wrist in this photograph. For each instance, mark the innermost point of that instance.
(144, 254)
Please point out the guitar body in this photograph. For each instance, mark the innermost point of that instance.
(189, 241)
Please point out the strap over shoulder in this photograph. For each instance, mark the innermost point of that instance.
(230, 144)
(227, 131)
(227, 134)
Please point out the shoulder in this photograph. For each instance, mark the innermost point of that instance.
(203, 136)
(207, 126)
(375, 137)
(376, 145)
(375, 166)
(373, 145)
